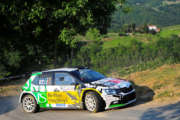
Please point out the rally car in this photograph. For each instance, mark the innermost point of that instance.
(75, 88)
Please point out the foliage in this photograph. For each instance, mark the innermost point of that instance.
(130, 56)
(147, 12)
(40, 33)
(93, 35)
(131, 28)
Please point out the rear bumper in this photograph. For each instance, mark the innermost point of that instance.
(120, 100)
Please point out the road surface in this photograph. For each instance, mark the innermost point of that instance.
(10, 110)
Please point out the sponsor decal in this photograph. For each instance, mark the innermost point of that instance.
(43, 82)
(110, 82)
(56, 97)
(41, 99)
(27, 85)
(116, 81)
(60, 105)
(70, 97)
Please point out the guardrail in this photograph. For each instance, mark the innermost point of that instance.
(15, 77)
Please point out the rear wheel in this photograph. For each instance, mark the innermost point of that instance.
(29, 104)
(93, 102)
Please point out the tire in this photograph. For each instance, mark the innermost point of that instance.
(29, 104)
(94, 102)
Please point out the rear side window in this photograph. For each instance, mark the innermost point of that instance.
(43, 79)
(36, 80)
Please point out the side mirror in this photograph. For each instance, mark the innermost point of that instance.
(76, 83)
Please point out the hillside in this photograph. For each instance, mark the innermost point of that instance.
(113, 39)
(159, 12)
(164, 81)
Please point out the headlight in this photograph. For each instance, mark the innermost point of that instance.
(110, 91)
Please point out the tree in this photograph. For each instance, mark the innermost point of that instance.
(35, 28)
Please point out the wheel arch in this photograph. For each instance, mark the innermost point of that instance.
(24, 94)
(103, 103)
(89, 90)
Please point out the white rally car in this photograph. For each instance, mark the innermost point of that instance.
(75, 88)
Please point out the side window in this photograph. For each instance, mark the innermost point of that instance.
(64, 79)
(44, 79)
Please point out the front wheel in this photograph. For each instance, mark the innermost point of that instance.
(94, 102)
(29, 104)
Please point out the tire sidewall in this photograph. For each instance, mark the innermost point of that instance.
(35, 103)
(95, 96)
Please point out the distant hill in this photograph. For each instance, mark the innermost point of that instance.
(113, 39)
(159, 12)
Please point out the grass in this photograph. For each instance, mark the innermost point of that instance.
(165, 94)
(11, 87)
(177, 81)
(164, 81)
(168, 31)
(113, 39)
(171, 2)
(10, 90)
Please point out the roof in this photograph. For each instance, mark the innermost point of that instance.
(62, 69)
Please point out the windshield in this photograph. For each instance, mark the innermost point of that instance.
(87, 75)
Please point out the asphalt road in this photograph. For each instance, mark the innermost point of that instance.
(10, 110)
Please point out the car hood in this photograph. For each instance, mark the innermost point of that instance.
(112, 83)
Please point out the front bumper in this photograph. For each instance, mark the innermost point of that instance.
(119, 100)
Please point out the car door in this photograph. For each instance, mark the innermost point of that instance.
(63, 93)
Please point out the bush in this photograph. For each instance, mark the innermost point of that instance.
(130, 57)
